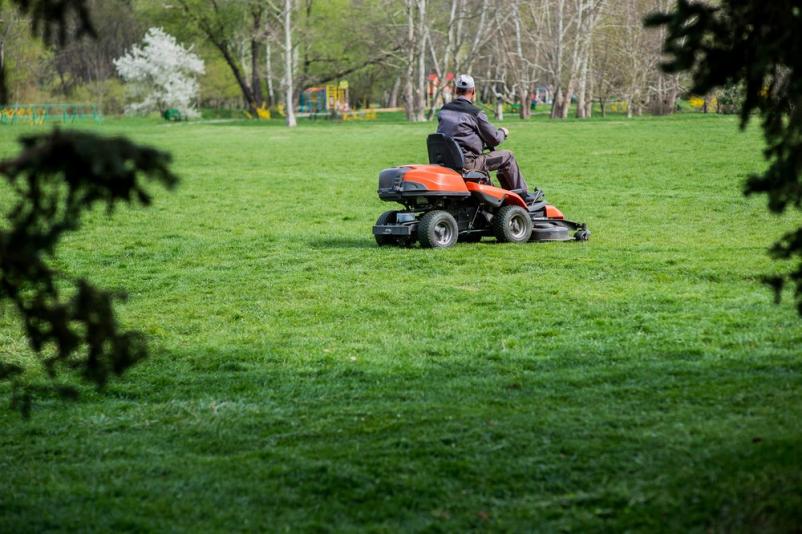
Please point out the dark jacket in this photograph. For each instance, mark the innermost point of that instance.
(468, 126)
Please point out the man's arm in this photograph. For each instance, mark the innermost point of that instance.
(491, 135)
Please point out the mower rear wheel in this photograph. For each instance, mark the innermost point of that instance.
(512, 224)
(437, 229)
(388, 217)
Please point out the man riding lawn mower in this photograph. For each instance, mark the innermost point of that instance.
(453, 198)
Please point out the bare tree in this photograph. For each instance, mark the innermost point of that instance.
(455, 49)
(12, 27)
(606, 68)
(289, 92)
(591, 11)
(664, 89)
(519, 62)
(271, 94)
(572, 30)
(633, 49)
(219, 23)
(257, 11)
(415, 71)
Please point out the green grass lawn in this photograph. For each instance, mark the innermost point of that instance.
(303, 378)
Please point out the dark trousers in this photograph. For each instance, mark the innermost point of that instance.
(509, 174)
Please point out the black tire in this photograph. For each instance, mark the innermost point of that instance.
(437, 229)
(388, 217)
(582, 235)
(512, 224)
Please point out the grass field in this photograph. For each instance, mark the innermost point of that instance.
(303, 378)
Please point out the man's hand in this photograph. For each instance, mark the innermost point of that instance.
(506, 132)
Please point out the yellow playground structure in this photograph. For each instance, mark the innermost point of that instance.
(331, 98)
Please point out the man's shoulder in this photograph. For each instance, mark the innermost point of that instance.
(463, 106)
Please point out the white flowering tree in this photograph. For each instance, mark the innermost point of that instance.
(161, 74)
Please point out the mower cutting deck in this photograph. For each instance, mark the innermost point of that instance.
(444, 205)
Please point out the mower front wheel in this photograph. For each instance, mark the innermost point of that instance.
(437, 229)
(512, 224)
(582, 235)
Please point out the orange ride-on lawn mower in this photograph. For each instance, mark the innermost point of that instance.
(444, 204)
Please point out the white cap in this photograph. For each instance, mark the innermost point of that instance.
(465, 82)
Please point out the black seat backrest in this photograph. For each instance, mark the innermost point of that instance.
(444, 151)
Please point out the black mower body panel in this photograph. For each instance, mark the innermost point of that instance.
(400, 230)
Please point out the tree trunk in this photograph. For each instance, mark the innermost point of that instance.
(519, 64)
(271, 95)
(409, 96)
(288, 74)
(4, 97)
(223, 46)
(673, 94)
(256, 83)
(569, 94)
(499, 105)
(557, 104)
(235, 69)
(526, 101)
(420, 93)
(580, 97)
(415, 72)
(557, 100)
(589, 99)
(393, 101)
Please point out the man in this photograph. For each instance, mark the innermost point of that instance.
(469, 127)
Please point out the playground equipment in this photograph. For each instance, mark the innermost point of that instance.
(39, 114)
(332, 98)
(433, 89)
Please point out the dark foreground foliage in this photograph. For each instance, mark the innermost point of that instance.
(57, 177)
(757, 44)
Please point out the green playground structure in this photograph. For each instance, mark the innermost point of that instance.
(37, 114)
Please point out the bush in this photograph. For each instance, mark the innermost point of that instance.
(731, 99)
(108, 96)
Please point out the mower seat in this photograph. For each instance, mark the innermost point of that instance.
(443, 150)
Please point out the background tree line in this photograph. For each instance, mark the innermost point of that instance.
(394, 53)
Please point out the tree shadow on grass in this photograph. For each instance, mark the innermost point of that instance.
(561, 432)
